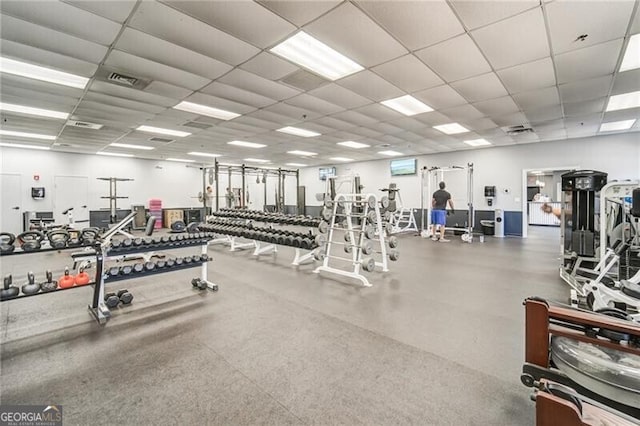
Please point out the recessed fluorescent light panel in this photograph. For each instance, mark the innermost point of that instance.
(302, 153)
(162, 131)
(343, 159)
(298, 132)
(390, 153)
(624, 101)
(354, 145)
(407, 105)
(296, 164)
(477, 142)
(631, 58)
(203, 154)
(246, 144)
(114, 154)
(17, 145)
(27, 135)
(617, 125)
(451, 128)
(180, 160)
(306, 51)
(206, 110)
(126, 145)
(24, 69)
(256, 160)
(33, 111)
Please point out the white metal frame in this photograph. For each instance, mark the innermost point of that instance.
(403, 219)
(611, 190)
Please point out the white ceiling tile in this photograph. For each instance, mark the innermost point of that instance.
(440, 97)
(252, 121)
(143, 68)
(482, 87)
(292, 112)
(37, 98)
(355, 118)
(628, 81)
(584, 108)
(623, 114)
(580, 64)
(511, 120)
(259, 85)
(366, 132)
(526, 40)
(352, 33)
(466, 62)
(408, 73)
(115, 10)
(273, 117)
(167, 90)
(163, 52)
(65, 18)
(300, 12)
(463, 113)
(600, 20)
(385, 128)
(237, 95)
(266, 28)
(481, 124)
(549, 112)
(123, 103)
(537, 98)
(497, 106)
(584, 90)
(44, 38)
(340, 96)
(548, 126)
(409, 123)
(416, 24)
(269, 66)
(334, 123)
(161, 21)
(519, 78)
(129, 93)
(635, 25)
(370, 85)
(379, 112)
(552, 135)
(312, 103)
(475, 13)
(46, 58)
(216, 102)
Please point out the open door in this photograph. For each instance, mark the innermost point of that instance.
(11, 204)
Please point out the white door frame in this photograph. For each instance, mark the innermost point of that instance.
(525, 222)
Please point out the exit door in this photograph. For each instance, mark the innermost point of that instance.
(71, 192)
(11, 203)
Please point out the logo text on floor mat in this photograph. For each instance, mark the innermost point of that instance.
(30, 415)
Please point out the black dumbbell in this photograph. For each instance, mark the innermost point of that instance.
(204, 257)
(8, 291)
(127, 242)
(179, 261)
(137, 242)
(187, 259)
(161, 264)
(116, 244)
(125, 296)
(114, 271)
(49, 284)
(126, 270)
(149, 266)
(111, 300)
(138, 267)
(31, 287)
(171, 263)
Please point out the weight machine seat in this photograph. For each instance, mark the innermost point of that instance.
(609, 282)
(608, 372)
(630, 289)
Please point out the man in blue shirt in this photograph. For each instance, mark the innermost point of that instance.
(439, 212)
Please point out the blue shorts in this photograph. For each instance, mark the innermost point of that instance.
(438, 217)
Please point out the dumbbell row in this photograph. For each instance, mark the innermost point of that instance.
(10, 291)
(261, 216)
(385, 204)
(274, 236)
(174, 240)
(122, 272)
(250, 226)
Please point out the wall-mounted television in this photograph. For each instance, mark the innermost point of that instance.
(326, 171)
(406, 166)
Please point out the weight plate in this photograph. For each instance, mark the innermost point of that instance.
(372, 201)
(370, 232)
(326, 214)
(323, 228)
(367, 247)
(372, 216)
(384, 201)
(368, 264)
(393, 242)
(394, 255)
(328, 202)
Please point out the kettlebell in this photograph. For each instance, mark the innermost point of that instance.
(6, 242)
(8, 291)
(30, 240)
(66, 280)
(31, 287)
(82, 278)
(58, 238)
(49, 285)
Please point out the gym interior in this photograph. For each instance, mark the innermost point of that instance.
(320, 212)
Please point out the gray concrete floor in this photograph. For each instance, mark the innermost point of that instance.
(437, 340)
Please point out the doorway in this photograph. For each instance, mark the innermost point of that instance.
(11, 211)
(541, 200)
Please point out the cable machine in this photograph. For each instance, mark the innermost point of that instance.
(429, 179)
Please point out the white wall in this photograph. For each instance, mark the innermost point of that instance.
(618, 155)
(173, 183)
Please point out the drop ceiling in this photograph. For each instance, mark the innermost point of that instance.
(487, 65)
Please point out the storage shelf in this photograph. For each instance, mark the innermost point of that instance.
(22, 296)
(110, 279)
(119, 251)
(44, 250)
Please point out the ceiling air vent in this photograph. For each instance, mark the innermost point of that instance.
(304, 80)
(161, 140)
(84, 124)
(122, 79)
(517, 130)
(197, 125)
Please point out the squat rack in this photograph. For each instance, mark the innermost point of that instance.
(212, 173)
(436, 174)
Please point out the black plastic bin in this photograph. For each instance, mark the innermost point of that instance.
(488, 227)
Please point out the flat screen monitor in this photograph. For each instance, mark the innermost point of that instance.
(407, 166)
(327, 171)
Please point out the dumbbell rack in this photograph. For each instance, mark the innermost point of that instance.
(347, 201)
